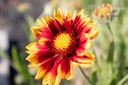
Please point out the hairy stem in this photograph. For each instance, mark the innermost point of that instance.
(87, 79)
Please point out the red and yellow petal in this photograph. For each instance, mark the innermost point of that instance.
(82, 24)
(46, 34)
(45, 68)
(36, 31)
(84, 44)
(87, 58)
(78, 21)
(38, 53)
(53, 75)
(44, 31)
(87, 26)
(94, 34)
(55, 24)
(58, 13)
(65, 69)
(40, 23)
(50, 75)
(40, 73)
(31, 48)
(45, 42)
(51, 24)
(66, 25)
(68, 15)
(83, 61)
(39, 57)
(85, 65)
(32, 65)
(90, 29)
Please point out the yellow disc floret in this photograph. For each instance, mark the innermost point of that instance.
(64, 44)
(62, 41)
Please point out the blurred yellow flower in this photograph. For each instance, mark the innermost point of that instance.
(23, 7)
(103, 12)
(76, 4)
(63, 41)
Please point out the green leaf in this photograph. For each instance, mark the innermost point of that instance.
(4, 55)
(94, 78)
(20, 66)
(111, 52)
(125, 78)
(15, 57)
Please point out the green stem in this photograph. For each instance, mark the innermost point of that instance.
(110, 31)
(87, 79)
(123, 80)
(112, 45)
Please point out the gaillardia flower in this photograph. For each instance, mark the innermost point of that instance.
(103, 11)
(63, 41)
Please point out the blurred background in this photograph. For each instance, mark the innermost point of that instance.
(18, 16)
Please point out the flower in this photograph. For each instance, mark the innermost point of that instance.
(76, 4)
(103, 11)
(23, 7)
(63, 41)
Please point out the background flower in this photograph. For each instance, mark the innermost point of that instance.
(104, 11)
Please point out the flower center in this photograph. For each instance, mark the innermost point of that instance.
(64, 43)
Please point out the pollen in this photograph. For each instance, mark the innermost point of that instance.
(62, 41)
